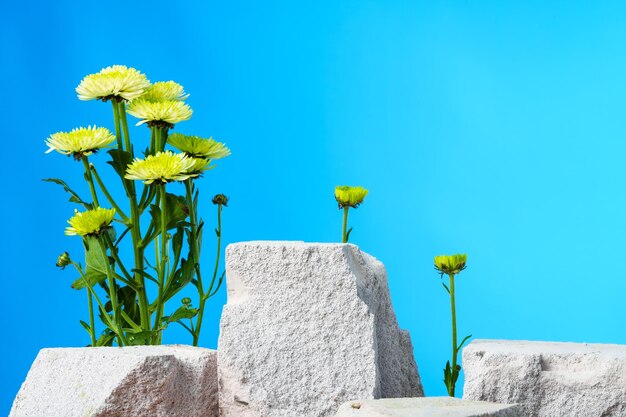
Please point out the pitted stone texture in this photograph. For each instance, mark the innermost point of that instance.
(548, 379)
(138, 381)
(307, 327)
(426, 407)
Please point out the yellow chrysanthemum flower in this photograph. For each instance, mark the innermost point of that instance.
(347, 196)
(116, 82)
(82, 141)
(165, 91)
(90, 222)
(159, 113)
(161, 168)
(199, 166)
(198, 147)
(450, 264)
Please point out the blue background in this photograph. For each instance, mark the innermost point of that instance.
(495, 128)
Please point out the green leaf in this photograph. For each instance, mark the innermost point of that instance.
(92, 277)
(119, 161)
(199, 234)
(348, 235)
(139, 338)
(176, 213)
(145, 275)
(74, 197)
(463, 342)
(446, 287)
(219, 284)
(177, 245)
(182, 277)
(135, 327)
(95, 271)
(183, 312)
(86, 326)
(130, 309)
(105, 339)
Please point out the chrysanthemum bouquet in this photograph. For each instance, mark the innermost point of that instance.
(163, 229)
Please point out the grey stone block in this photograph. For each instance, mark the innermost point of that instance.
(548, 379)
(306, 328)
(426, 407)
(138, 381)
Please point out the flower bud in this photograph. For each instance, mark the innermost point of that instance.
(220, 199)
(186, 301)
(450, 264)
(347, 196)
(63, 260)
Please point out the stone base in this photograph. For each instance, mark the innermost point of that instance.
(308, 326)
(426, 407)
(548, 379)
(138, 381)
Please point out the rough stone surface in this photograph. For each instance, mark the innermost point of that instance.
(548, 379)
(173, 381)
(307, 327)
(426, 407)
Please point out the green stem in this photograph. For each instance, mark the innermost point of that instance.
(195, 251)
(344, 235)
(92, 324)
(158, 137)
(116, 256)
(89, 179)
(218, 248)
(121, 340)
(153, 135)
(107, 194)
(116, 117)
(93, 294)
(454, 344)
(138, 252)
(122, 115)
(161, 264)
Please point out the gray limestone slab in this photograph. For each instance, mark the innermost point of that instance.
(308, 326)
(138, 381)
(548, 379)
(426, 407)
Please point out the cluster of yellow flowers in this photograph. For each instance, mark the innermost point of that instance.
(159, 105)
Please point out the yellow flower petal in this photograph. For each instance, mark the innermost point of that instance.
(450, 264)
(156, 113)
(198, 147)
(82, 141)
(165, 91)
(90, 222)
(348, 196)
(117, 81)
(161, 168)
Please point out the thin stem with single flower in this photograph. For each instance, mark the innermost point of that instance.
(344, 235)
(454, 342)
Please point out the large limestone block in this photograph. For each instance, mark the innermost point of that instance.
(426, 407)
(548, 379)
(307, 327)
(138, 381)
